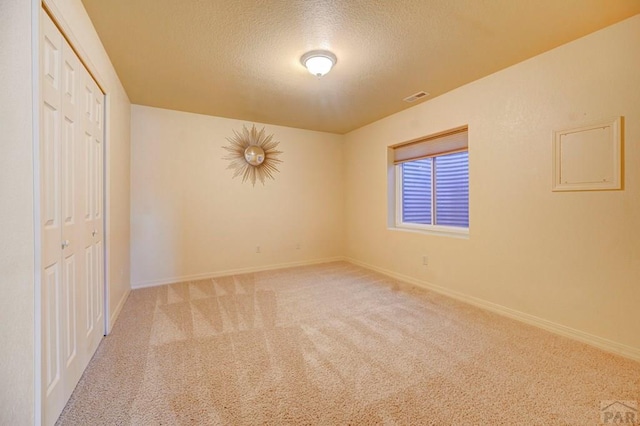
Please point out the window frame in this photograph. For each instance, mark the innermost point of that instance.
(398, 224)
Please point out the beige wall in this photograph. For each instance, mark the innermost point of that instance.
(569, 258)
(190, 218)
(16, 216)
(77, 26)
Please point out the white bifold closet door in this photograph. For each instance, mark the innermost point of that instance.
(71, 188)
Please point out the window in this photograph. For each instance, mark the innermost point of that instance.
(432, 183)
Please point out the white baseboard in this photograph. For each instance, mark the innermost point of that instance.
(203, 276)
(572, 333)
(116, 312)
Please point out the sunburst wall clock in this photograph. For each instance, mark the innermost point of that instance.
(252, 154)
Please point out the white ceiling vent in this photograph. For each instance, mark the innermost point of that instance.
(416, 96)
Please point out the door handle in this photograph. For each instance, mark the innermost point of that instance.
(94, 233)
(65, 244)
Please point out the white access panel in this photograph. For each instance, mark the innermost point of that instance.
(588, 158)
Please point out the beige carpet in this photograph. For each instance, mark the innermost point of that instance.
(335, 344)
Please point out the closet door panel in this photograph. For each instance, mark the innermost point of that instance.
(54, 327)
(71, 190)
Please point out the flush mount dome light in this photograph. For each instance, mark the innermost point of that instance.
(319, 62)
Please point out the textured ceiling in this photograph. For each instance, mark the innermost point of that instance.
(240, 58)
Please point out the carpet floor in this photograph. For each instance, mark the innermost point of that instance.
(336, 344)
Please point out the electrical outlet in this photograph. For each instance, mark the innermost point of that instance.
(425, 260)
(257, 249)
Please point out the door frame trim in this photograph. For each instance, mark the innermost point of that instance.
(37, 210)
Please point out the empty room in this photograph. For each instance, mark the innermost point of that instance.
(411, 212)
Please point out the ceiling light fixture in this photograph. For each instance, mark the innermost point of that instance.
(319, 62)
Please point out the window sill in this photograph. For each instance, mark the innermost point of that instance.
(442, 231)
